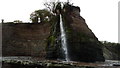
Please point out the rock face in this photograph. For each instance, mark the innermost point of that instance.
(43, 39)
(54, 48)
(83, 45)
(111, 51)
(25, 39)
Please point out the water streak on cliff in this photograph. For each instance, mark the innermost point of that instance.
(63, 40)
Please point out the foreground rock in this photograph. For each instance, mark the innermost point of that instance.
(33, 63)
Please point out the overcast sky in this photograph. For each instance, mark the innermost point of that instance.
(101, 15)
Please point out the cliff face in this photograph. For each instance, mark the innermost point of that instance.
(43, 40)
(25, 39)
(83, 45)
(111, 51)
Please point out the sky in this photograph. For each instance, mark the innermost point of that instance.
(101, 15)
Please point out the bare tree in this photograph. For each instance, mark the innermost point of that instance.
(50, 6)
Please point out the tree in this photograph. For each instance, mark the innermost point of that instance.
(51, 6)
(41, 16)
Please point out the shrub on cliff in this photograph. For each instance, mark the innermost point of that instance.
(39, 16)
(17, 21)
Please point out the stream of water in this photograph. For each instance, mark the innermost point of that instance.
(63, 39)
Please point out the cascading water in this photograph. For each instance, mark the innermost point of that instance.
(63, 39)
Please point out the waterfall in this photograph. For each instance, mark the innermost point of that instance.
(63, 39)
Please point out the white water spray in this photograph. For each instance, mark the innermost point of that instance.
(63, 39)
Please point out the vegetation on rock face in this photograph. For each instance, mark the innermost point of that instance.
(17, 21)
(53, 48)
(111, 50)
